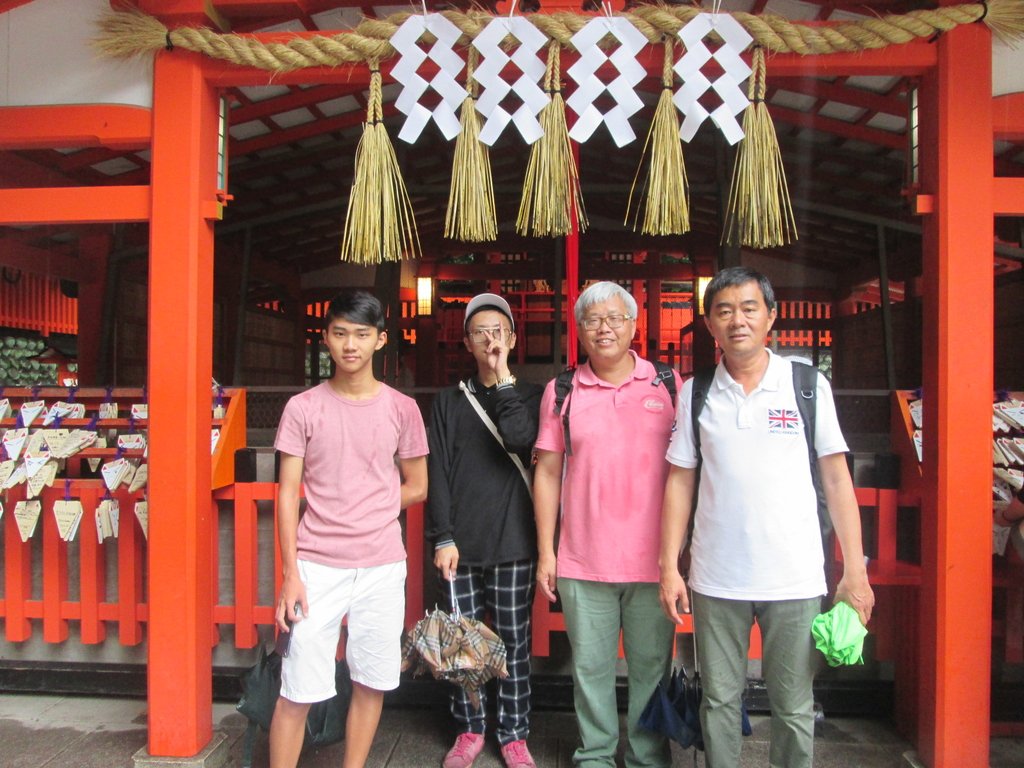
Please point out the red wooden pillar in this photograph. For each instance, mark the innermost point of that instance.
(956, 622)
(180, 371)
(17, 574)
(55, 574)
(572, 276)
(652, 285)
(94, 249)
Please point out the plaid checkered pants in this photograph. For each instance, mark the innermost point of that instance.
(503, 592)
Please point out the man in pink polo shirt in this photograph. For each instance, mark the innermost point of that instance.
(606, 570)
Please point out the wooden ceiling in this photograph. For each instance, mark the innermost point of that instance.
(843, 140)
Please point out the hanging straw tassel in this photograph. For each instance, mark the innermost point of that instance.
(1006, 20)
(668, 201)
(552, 185)
(471, 214)
(380, 224)
(759, 209)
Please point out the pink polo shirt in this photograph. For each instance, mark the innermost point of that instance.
(614, 481)
(350, 473)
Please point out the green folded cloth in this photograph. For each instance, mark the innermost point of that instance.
(839, 635)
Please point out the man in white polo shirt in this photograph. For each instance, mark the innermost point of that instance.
(756, 551)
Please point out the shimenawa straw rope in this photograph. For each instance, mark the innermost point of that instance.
(380, 224)
(130, 33)
(667, 210)
(759, 212)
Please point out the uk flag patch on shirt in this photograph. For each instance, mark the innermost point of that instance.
(783, 421)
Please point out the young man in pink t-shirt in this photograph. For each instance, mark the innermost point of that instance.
(358, 448)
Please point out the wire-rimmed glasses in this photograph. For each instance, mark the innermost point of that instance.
(614, 322)
(483, 335)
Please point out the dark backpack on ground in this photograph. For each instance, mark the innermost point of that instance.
(664, 374)
(805, 385)
(261, 687)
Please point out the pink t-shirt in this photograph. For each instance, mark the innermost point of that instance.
(350, 472)
(615, 479)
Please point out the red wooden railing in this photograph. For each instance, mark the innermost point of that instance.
(246, 614)
(92, 608)
(36, 303)
(22, 609)
(38, 596)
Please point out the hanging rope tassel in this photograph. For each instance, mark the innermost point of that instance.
(668, 200)
(759, 213)
(471, 215)
(551, 188)
(380, 224)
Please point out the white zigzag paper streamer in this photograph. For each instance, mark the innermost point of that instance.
(735, 70)
(495, 89)
(622, 88)
(444, 83)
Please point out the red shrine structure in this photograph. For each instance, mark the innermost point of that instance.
(173, 193)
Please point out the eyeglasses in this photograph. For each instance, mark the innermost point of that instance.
(483, 335)
(614, 322)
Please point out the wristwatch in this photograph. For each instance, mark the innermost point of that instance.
(508, 381)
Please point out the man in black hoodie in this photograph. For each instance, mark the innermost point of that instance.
(480, 518)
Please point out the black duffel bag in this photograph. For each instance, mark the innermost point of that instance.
(261, 687)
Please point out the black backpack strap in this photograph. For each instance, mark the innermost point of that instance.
(563, 388)
(702, 380)
(701, 384)
(805, 385)
(665, 374)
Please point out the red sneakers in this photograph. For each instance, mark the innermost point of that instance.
(516, 755)
(464, 752)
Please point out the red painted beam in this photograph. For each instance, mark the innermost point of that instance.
(88, 157)
(39, 261)
(1008, 196)
(296, 99)
(10, 5)
(74, 205)
(843, 94)
(1008, 117)
(95, 125)
(837, 127)
(255, 8)
(19, 171)
(304, 131)
(176, 13)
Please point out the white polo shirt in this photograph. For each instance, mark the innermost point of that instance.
(756, 533)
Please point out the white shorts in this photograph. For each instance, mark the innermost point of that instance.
(374, 601)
